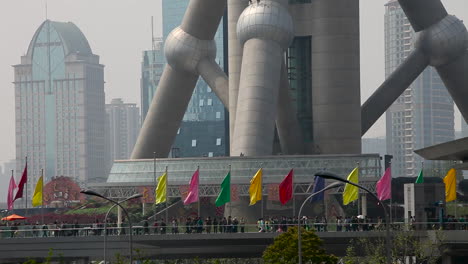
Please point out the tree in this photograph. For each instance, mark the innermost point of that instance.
(406, 247)
(284, 249)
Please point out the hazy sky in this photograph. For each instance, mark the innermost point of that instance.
(119, 30)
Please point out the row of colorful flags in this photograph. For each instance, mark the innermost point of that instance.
(255, 189)
(12, 196)
(384, 186)
(350, 193)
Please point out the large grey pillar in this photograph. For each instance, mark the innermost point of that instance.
(235, 8)
(265, 29)
(336, 102)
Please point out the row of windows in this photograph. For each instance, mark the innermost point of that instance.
(218, 142)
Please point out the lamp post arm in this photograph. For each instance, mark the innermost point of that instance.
(328, 175)
(299, 225)
(138, 195)
(105, 223)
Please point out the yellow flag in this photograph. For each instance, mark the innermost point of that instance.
(350, 192)
(450, 181)
(161, 189)
(37, 196)
(255, 189)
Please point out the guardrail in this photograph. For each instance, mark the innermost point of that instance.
(31, 231)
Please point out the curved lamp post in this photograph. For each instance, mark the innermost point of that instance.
(299, 232)
(331, 176)
(138, 195)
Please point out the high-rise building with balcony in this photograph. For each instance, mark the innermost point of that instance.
(424, 114)
(59, 107)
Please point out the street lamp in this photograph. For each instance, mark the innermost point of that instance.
(299, 232)
(331, 176)
(138, 195)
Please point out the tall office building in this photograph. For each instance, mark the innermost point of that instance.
(424, 114)
(124, 125)
(59, 99)
(151, 70)
(204, 129)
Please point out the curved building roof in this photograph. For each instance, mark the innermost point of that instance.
(72, 38)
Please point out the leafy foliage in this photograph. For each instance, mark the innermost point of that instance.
(284, 249)
(405, 248)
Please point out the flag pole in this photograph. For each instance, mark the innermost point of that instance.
(167, 198)
(26, 200)
(42, 197)
(293, 194)
(13, 202)
(198, 191)
(261, 189)
(230, 206)
(391, 196)
(155, 180)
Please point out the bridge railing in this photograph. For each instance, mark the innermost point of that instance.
(35, 231)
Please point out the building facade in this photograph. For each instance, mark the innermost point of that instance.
(464, 128)
(59, 101)
(151, 69)
(424, 114)
(204, 129)
(124, 125)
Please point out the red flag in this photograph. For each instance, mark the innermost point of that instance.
(286, 188)
(11, 190)
(22, 182)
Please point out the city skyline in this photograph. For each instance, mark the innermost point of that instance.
(127, 35)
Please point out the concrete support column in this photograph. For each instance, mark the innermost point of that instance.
(235, 8)
(258, 97)
(119, 216)
(364, 204)
(336, 102)
(265, 29)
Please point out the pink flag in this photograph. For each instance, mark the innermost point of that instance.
(192, 196)
(11, 190)
(384, 186)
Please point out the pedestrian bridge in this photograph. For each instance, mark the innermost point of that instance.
(170, 246)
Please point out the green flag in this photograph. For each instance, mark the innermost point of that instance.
(420, 178)
(225, 194)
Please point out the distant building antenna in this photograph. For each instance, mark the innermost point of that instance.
(46, 17)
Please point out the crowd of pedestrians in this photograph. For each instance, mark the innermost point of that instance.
(190, 225)
(199, 225)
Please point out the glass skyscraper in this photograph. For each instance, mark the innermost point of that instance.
(424, 114)
(204, 129)
(59, 98)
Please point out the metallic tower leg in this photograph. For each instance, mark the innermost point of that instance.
(258, 99)
(235, 8)
(215, 77)
(265, 29)
(185, 48)
(165, 114)
(455, 78)
(392, 88)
